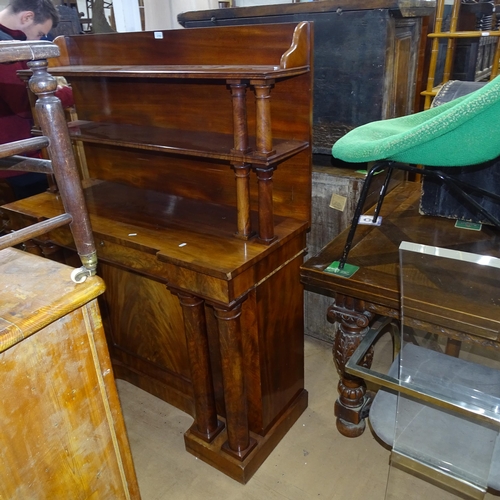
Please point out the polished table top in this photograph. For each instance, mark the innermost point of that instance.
(376, 251)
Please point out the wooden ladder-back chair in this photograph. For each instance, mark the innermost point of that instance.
(62, 165)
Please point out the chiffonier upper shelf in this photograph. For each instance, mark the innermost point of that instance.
(193, 103)
(227, 72)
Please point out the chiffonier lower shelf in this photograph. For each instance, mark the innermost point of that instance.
(163, 233)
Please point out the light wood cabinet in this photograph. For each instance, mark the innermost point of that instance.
(63, 434)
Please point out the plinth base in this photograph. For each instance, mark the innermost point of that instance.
(242, 470)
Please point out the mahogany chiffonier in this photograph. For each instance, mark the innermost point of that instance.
(197, 145)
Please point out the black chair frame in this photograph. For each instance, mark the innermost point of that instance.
(459, 187)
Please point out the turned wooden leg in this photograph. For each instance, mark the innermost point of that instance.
(239, 443)
(206, 425)
(52, 121)
(353, 323)
(453, 347)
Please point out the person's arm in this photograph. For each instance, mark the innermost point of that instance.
(64, 92)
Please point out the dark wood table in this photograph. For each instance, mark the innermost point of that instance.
(374, 290)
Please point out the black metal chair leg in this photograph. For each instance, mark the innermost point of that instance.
(383, 191)
(457, 189)
(378, 167)
(456, 185)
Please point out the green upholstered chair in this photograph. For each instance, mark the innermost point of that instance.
(464, 131)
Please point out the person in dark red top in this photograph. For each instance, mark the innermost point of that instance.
(23, 20)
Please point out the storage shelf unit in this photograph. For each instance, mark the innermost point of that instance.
(199, 192)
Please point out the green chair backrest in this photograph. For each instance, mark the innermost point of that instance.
(465, 131)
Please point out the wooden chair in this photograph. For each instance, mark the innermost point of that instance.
(62, 164)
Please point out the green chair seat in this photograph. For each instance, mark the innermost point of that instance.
(464, 131)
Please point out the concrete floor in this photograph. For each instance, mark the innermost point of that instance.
(313, 461)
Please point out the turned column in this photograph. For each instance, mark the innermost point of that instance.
(263, 129)
(242, 174)
(206, 425)
(239, 443)
(264, 148)
(353, 324)
(266, 212)
(241, 169)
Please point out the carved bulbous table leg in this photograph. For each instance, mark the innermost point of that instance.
(353, 323)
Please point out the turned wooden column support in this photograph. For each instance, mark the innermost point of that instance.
(353, 323)
(264, 148)
(241, 169)
(263, 129)
(239, 443)
(242, 174)
(266, 211)
(206, 425)
(240, 126)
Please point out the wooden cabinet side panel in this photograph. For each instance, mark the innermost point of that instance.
(278, 363)
(401, 67)
(58, 435)
(102, 360)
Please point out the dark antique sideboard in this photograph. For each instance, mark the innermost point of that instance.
(366, 55)
(199, 194)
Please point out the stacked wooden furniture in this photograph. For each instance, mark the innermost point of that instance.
(197, 144)
(63, 433)
(488, 37)
(366, 56)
